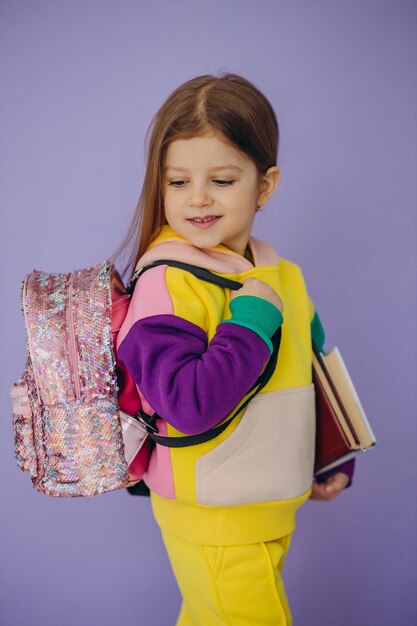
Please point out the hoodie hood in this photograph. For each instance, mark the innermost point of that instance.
(170, 246)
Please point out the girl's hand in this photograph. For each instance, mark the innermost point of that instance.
(330, 488)
(256, 287)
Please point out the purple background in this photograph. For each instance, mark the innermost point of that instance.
(80, 82)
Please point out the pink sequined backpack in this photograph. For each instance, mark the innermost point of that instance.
(79, 427)
(71, 432)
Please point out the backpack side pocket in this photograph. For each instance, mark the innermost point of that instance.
(23, 428)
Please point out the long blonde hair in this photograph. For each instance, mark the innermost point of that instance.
(228, 104)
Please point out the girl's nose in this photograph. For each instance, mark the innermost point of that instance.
(199, 197)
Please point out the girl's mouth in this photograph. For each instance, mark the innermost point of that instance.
(205, 222)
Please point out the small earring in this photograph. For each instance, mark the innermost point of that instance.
(258, 208)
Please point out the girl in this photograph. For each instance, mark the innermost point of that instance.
(226, 507)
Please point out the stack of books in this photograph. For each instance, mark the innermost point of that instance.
(343, 429)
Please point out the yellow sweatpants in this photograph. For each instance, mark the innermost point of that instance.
(238, 585)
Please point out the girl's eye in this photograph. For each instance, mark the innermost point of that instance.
(182, 183)
(222, 183)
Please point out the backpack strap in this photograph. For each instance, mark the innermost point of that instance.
(199, 272)
(193, 440)
(149, 421)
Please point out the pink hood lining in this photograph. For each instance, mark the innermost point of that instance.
(168, 245)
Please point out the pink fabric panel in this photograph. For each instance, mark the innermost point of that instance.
(145, 405)
(220, 260)
(226, 262)
(159, 476)
(263, 252)
(152, 281)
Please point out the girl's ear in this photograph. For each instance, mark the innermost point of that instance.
(268, 184)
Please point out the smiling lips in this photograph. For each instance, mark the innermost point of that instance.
(206, 221)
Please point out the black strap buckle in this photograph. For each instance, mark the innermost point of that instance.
(149, 421)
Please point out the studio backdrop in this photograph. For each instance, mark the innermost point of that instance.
(80, 82)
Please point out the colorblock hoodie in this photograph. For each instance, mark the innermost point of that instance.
(194, 355)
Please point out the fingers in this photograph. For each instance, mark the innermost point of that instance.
(338, 481)
(256, 287)
(318, 492)
(331, 488)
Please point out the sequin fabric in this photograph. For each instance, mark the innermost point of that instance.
(67, 425)
(23, 422)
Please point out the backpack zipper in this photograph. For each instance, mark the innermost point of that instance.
(29, 344)
(72, 346)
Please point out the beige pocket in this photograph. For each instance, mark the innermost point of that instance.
(269, 456)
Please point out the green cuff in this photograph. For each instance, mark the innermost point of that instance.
(317, 333)
(257, 314)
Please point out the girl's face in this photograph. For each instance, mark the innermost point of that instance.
(210, 192)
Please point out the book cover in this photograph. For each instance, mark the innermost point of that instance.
(342, 428)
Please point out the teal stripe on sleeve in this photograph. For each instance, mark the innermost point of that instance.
(317, 332)
(257, 314)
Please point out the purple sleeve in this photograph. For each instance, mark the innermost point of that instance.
(191, 384)
(347, 468)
